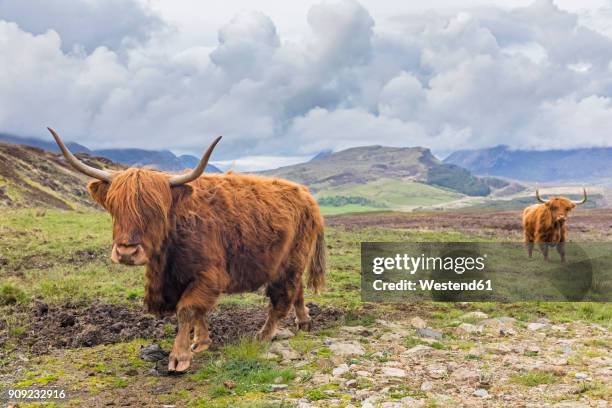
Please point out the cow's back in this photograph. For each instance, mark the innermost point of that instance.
(257, 220)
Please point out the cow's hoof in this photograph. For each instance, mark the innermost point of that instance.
(304, 326)
(264, 335)
(201, 345)
(179, 363)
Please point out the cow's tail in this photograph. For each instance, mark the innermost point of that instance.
(316, 269)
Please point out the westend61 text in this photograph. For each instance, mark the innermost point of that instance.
(429, 285)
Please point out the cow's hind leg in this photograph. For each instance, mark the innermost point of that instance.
(201, 337)
(302, 318)
(281, 295)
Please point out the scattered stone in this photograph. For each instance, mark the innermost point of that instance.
(581, 376)
(433, 334)
(393, 372)
(392, 404)
(229, 384)
(354, 329)
(340, 370)
(467, 328)
(390, 337)
(532, 350)
(284, 350)
(437, 371)
(560, 361)
(536, 326)
(152, 353)
(319, 379)
(499, 348)
(481, 393)
(427, 386)
(477, 315)
(349, 348)
(465, 375)
(417, 349)
(278, 387)
(418, 323)
(283, 334)
(362, 373)
(351, 384)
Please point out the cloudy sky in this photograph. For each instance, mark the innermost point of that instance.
(282, 81)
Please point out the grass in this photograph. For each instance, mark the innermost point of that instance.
(61, 256)
(391, 193)
(533, 378)
(240, 369)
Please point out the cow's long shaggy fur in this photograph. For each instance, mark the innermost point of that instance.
(545, 224)
(219, 234)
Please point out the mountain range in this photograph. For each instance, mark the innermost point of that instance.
(574, 165)
(160, 159)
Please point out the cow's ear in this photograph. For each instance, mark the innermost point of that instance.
(97, 190)
(179, 193)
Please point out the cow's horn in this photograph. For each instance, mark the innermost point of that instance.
(79, 165)
(197, 172)
(538, 196)
(584, 200)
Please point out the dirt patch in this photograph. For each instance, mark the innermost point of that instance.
(74, 325)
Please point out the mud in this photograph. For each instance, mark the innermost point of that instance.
(583, 223)
(77, 325)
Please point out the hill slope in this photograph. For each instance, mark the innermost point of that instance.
(362, 165)
(544, 166)
(32, 177)
(163, 160)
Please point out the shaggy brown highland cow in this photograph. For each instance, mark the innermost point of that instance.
(546, 224)
(203, 235)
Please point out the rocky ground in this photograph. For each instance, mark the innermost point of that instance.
(473, 361)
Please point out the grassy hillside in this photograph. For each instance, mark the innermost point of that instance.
(390, 194)
(32, 177)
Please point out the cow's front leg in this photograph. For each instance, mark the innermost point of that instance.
(201, 337)
(561, 250)
(544, 248)
(180, 357)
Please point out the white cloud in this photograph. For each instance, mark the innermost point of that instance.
(534, 76)
(85, 24)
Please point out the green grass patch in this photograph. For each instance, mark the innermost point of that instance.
(240, 369)
(533, 378)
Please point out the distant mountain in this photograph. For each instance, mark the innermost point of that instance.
(531, 165)
(160, 159)
(361, 165)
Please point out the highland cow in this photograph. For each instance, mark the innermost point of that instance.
(201, 235)
(546, 224)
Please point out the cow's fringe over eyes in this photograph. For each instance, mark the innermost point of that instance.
(140, 200)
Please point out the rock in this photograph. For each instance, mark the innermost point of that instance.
(351, 384)
(393, 372)
(418, 323)
(557, 370)
(475, 352)
(327, 341)
(481, 393)
(417, 349)
(152, 353)
(427, 386)
(477, 315)
(559, 361)
(467, 328)
(319, 379)
(340, 370)
(536, 326)
(390, 337)
(437, 371)
(346, 349)
(532, 349)
(283, 334)
(392, 404)
(429, 333)
(362, 373)
(499, 348)
(354, 329)
(284, 350)
(278, 387)
(581, 376)
(412, 403)
(465, 375)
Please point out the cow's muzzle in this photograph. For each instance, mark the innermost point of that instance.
(129, 254)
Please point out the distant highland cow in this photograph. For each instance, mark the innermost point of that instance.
(546, 224)
(203, 235)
